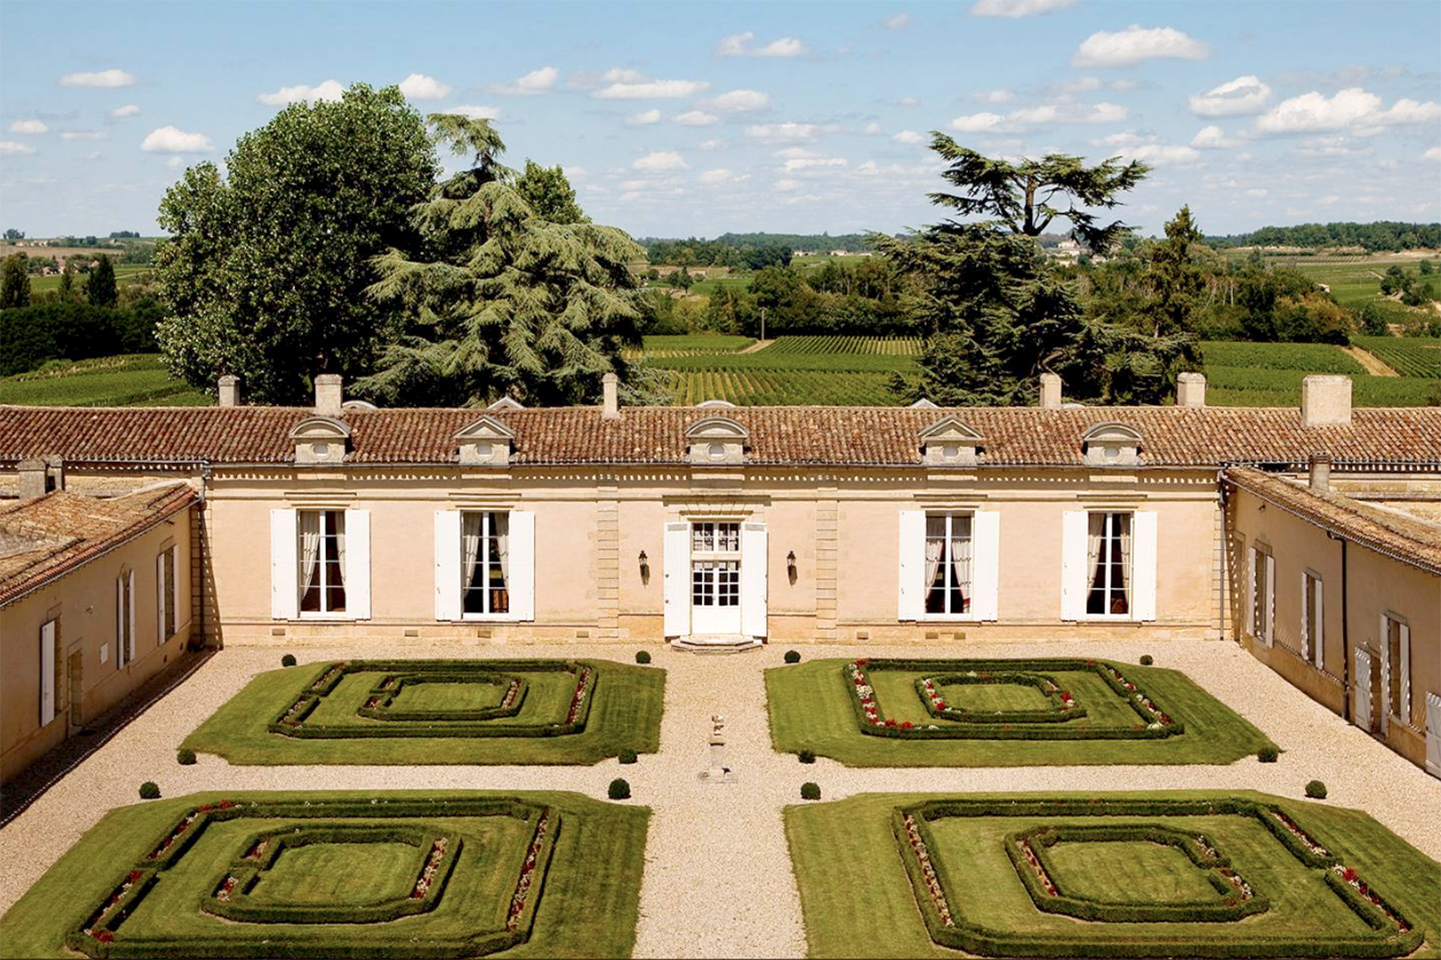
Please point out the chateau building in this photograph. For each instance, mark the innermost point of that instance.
(725, 526)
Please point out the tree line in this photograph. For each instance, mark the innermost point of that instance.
(1378, 237)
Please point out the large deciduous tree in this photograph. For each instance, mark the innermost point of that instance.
(100, 287)
(514, 293)
(266, 268)
(15, 282)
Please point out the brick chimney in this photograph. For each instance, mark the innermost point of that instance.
(1050, 391)
(329, 395)
(1191, 390)
(1320, 472)
(1326, 401)
(229, 390)
(610, 402)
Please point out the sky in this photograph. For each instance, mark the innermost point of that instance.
(692, 118)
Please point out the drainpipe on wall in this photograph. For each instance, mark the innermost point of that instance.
(1345, 635)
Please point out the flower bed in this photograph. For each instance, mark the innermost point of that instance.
(258, 925)
(1151, 721)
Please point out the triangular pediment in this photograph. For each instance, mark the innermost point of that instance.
(485, 430)
(950, 429)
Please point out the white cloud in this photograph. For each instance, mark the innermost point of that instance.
(738, 45)
(539, 81)
(787, 185)
(996, 96)
(1433, 154)
(790, 152)
(12, 148)
(812, 163)
(418, 86)
(84, 135)
(909, 136)
(173, 140)
(1136, 44)
(621, 75)
(787, 132)
(661, 162)
(29, 126)
(1233, 99)
(129, 110)
(1258, 192)
(1212, 138)
(1042, 114)
(1329, 200)
(94, 156)
(1352, 108)
(742, 101)
(713, 177)
(977, 122)
(175, 163)
(908, 102)
(103, 78)
(873, 129)
(329, 90)
(476, 111)
(716, 144)
(651, 90)
(1151, 150)
(643, 119)
(897, 21)
(1018, 8)
(697, 118)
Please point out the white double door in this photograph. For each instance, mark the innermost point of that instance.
(715, 578)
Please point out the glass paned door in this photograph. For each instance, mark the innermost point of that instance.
(715, 577)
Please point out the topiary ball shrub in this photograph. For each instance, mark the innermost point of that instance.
(288, 660)
(1316, 790)
(149, 790)
(185, 756)
(627, 756)
(810, 790)
(1267, 754)
(619, 790)
(1147, 660)
(642, 656)
(793, 656)
(807, 756)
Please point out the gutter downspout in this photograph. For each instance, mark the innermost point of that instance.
(1345, 633)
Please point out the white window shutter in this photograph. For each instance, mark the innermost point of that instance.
(985, 565)
(755, 561)
(677, 579)
(910, 588)
(130, 616)
(47, 672)
(284, 566)
(1362, 716)
(1405, 667)
(1433, 734)
(522, 565)
(1385, 705)
(160, 597)
(1318, 625)
(1305, 617)
(1074, 527)
(357, 564)
(120, 621)
(1144, 550)
(448, 587)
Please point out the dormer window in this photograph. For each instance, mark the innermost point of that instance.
(320, 440)
(1111, 445)
(716, 440)
(949, 442)
(486, 442)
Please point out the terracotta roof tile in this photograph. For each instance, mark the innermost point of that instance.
(42, 539)
(1172, 436)
(1404, 538)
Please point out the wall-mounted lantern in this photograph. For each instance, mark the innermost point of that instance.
(644, 568)
(791, 566)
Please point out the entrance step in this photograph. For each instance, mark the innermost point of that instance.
(716, 643)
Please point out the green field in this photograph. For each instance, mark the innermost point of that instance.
(1243, 374)
(1172, 874)
(124, 273)
(813, 706)
(1355, 281)
(324, 713)
(1408, 356)
(123, 381)
(339, 875)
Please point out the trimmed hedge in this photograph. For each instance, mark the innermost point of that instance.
(384, 694)
(1268, 754)
(627, 756)
(807, 756)
(288, 660)
(810, 790)
(619, 789)
(149, 790)
(1047, 687)
(185, 756)
(642, 657)
(793, 656)
(1316, 790)
(1398, 936)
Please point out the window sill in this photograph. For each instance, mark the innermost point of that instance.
(327, 618)
(486, 618)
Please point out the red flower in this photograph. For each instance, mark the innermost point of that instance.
(890, 721)
(906, 725)
(1350, 874)
(134, 876)
(105, 936)
(226, 804)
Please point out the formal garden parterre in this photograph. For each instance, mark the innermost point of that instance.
(1184, 874)
(387, 875)
(918, 712)
(439, 711)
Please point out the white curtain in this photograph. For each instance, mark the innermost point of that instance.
(934, 548)
(500, 529)
(309, 521)
(1123, 531)
(961, 558)
(470, 532)
(340, 544)
(1094, 537)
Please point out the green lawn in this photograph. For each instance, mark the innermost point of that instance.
(582, 898)
(812, 706)
(864, 894)
(120, 381)
(625, 706)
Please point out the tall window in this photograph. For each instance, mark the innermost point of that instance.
(715, 564)
(1397, 650)
(168, 593)
(1312, 632)
(1262, 594)
(1108, 557)
(485, 562)
(948, 564)
(322, 560)
(124, 618)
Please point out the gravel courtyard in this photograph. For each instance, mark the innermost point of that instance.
(718, 880)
